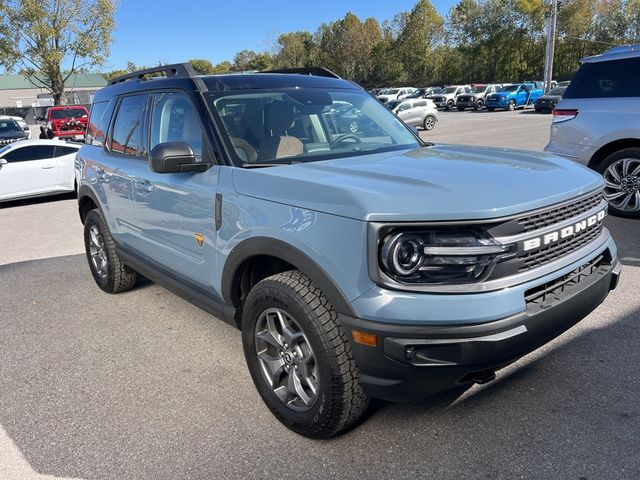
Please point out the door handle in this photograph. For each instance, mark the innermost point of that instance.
(48, 167)
(144, 185)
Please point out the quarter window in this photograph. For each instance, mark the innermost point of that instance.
(126, 128)
(175, 120)
(60, 151)
(615, 78)
(99, 123)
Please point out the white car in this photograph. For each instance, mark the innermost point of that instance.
(20, 121)
(395, 94)
(416, 112)
(31, 168)
(447, 97)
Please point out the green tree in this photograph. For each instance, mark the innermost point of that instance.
(295, 49)
(202, 66)
(420, 32)
(248, 60)
(346, 45)
(50, 40)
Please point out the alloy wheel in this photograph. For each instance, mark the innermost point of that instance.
(622, 185)
(286, 359)
(98, 252)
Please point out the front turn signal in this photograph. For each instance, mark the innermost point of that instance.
(365, 338)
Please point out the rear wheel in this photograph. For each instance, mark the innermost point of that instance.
(429, 122)
(621, 172)
(108, 270)
(300, 358)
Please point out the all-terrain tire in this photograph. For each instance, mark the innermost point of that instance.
(117, 276)
(340, 400)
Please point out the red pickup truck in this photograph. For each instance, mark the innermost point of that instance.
(68, 121)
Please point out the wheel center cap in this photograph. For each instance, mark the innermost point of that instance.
(288, 358)
(630, 184)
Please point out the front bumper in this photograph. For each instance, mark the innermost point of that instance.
(413, 361)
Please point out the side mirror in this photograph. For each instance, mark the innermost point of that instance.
(175, 157)
(3, 162)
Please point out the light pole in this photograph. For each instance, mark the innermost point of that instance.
(551, 41)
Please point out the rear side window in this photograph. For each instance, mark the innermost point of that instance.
(612, 79)
(126, 136)
(27, 154)
(99, 123)
(60, 151)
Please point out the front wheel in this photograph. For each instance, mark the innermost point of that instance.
(479, 105)
(621, 172)
(429, 122)
(512, 105)
(300, 358)
(450, 105)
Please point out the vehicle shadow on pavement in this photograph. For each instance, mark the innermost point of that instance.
(37, 200)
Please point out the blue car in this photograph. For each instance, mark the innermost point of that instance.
(514, 96)
(357, 263)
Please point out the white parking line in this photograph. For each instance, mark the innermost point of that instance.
(13, 465)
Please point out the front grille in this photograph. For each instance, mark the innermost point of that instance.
(559, 214)
(559, 249)
(544, 296)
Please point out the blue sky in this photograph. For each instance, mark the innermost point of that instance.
(149, 31)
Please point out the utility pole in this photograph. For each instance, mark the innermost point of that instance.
(551, 41)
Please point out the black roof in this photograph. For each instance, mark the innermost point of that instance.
(180, 77)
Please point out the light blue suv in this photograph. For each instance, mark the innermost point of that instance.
(357, 265)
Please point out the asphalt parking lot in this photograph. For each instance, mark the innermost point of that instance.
(144, 385)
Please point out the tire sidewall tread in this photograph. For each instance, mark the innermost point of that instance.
(341, 400)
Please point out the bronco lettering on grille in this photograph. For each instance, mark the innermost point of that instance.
(568, 231)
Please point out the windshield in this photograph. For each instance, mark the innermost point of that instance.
(393, 91)
(68, 113)
(479, 89)
(559, 91)
(307, 124)
(9, 126)
(418, 93)
(449, 90)
(509, 88)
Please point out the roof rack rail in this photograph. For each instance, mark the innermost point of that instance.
(175, 70)
(312, 71)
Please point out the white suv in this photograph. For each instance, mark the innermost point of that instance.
(395, 94)
(597, 123)
(448, 96)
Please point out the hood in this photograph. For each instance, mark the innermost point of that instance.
(433, 183)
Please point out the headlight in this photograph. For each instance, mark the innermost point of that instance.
(439, 256)
(473, 99)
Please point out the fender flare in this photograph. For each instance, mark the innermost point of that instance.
(258, 246)
(86, 191)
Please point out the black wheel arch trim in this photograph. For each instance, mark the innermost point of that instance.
(265, 246)
(85, 191)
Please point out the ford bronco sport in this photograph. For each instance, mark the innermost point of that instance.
(356, 265)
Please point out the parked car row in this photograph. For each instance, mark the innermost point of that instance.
(479, 96)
